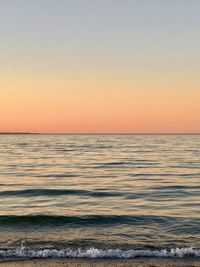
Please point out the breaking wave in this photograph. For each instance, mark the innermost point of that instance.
(94, 253)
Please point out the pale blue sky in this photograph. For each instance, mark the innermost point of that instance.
(132, 34)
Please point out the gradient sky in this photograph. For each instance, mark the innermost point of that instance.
(100, 66)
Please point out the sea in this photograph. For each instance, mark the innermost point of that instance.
(99, 196)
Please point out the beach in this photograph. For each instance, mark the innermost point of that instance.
(140, 262)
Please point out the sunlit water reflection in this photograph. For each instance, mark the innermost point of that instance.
(104, 191)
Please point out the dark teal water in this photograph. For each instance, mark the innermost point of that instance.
(99, 195)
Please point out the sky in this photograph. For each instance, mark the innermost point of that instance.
(109, 66)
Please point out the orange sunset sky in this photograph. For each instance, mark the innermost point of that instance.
(100, 66)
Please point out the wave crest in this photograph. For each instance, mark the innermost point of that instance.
(94, 253)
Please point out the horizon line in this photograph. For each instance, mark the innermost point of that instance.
(100, 133)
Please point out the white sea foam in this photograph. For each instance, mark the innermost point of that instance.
(99, 253)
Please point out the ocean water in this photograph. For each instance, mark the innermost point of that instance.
(96, 196)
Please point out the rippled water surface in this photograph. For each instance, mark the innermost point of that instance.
(134, 192)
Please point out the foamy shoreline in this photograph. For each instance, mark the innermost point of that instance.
(139, 262)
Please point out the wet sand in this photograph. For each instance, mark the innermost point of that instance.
(104, 263)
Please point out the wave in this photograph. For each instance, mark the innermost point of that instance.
(94, 253)
(153, 192)
(57, 192)
(88, 219)
(77, 220)
(98, 220)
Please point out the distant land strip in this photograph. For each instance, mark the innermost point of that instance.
(68, 133)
